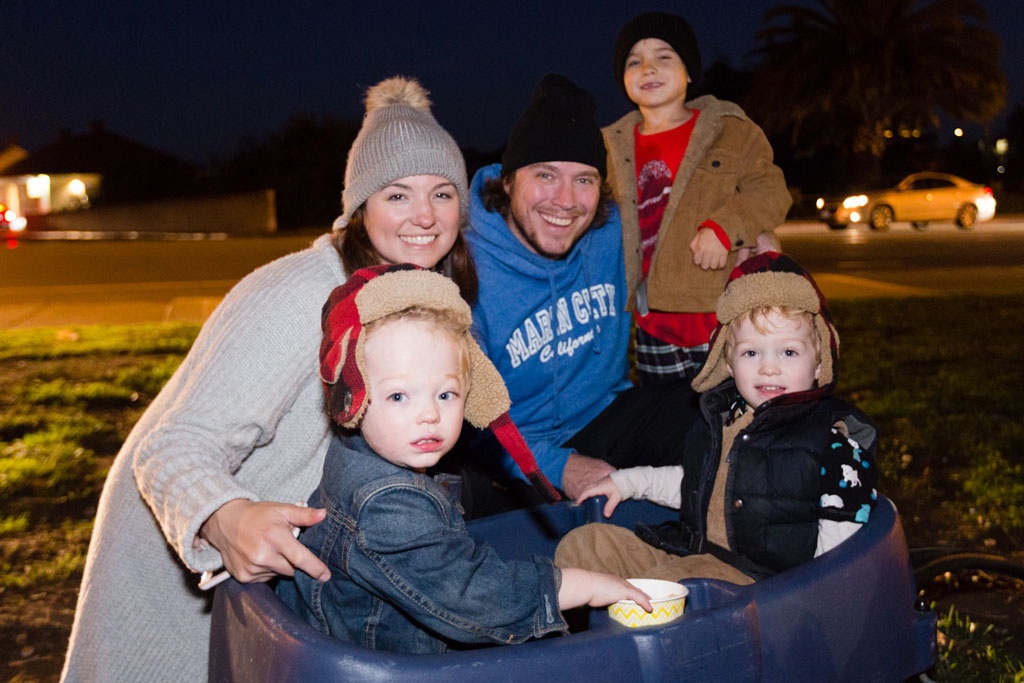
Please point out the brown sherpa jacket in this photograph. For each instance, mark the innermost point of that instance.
(727, 176)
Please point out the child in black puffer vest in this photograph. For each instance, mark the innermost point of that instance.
(778, 472)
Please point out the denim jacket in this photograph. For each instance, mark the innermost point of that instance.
(405, 574)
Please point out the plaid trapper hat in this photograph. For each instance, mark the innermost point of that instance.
(767, 280)
(379, 291)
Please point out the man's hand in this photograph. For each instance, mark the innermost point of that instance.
(708, 251)
(603, 487)
(255, 539)
(580, 472)
(766, 241)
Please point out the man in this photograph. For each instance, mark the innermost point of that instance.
(547, 243)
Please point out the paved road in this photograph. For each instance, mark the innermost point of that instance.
(122, 282)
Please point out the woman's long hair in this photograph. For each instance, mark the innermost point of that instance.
(357, 251)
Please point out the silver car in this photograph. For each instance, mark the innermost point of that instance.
(919, 198)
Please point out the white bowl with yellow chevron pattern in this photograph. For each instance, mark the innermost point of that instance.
(667, 598)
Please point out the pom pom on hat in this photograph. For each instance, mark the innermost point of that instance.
(397, 91)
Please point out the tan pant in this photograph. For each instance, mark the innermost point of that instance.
(615, 550)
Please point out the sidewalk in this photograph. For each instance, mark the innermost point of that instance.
(184, 302)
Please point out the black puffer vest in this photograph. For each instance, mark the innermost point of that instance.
(773, 487)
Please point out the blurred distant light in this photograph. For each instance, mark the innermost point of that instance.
(1002, 146)
(855, 216)
(888, 133)
(18, 224)
(12, 244)
(37, 186)
(9, 215)
(820, 203)
(959, 132)
(916, 132)
(904, 133)
(77, 188)
(1000, 169)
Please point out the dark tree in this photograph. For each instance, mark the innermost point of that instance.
(853, 74)
(304, 163)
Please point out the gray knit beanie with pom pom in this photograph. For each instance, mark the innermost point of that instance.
(399, 138)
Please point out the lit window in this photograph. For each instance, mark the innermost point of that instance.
(37, 187)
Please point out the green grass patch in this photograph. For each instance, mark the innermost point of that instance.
(971, 652)
(44, 557)
(60, 392)
(53, 342)
(39, 466)
(946, 394)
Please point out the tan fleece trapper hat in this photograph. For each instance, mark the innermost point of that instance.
(765, 280)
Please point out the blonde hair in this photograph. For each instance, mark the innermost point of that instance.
(757, 316)
(444, 321)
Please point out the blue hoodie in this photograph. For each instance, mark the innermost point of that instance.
(555, 329)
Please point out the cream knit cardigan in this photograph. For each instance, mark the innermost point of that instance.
(242, 417)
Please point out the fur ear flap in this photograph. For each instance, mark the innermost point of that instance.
(339, 402)
(397, 91)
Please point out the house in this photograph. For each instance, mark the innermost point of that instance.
(126, 187)
(96, 167)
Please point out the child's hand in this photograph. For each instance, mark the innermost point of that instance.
(708, 251)
(583, 587)
(604, 487)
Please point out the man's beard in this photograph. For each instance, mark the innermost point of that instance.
(530, 239)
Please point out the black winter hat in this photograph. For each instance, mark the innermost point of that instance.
(558, 125)
(671, 28)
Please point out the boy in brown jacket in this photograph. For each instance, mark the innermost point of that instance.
(696, 186)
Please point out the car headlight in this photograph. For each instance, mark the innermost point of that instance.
(855, 201)
(820, 204)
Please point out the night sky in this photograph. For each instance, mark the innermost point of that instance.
(195, 78)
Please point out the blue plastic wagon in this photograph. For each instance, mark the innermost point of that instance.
(849, 615)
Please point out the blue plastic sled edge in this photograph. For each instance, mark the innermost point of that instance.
(848, 615)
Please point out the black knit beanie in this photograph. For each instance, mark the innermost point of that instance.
(558, 125)
(671, 28)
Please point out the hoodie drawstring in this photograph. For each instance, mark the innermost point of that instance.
(556, 368)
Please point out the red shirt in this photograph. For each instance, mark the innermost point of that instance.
(657, 159)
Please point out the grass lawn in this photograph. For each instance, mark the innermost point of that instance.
(941, 377)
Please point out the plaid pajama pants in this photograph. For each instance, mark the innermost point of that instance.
(657, 360)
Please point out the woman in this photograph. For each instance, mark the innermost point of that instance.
(207, 476)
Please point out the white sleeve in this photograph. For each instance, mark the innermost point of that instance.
(251, 360)
(659, 485)
(831, 533)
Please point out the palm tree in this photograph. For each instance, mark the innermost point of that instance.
(846, 72)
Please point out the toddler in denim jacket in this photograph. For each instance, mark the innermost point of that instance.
(400, 371)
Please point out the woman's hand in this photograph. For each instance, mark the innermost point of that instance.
(583, 587)
(256, 541)
(604, 487)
